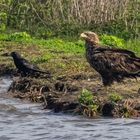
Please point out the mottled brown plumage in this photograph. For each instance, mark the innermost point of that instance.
(113, 64)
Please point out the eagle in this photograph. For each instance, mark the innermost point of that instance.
(113, 64)
(24, 66)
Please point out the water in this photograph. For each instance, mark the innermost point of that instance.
(22, 120)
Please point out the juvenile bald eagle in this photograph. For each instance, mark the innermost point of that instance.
(113, 64)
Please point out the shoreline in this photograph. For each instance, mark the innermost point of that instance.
(72, 86)
(61, 94)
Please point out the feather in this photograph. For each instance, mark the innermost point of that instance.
(24, 66)
(113, 64)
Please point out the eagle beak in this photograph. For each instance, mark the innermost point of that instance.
(83, 35)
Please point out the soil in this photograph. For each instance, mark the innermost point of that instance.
(60, 92)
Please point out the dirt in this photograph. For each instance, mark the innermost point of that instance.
(60, 92)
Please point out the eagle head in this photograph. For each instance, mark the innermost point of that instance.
(90, 37)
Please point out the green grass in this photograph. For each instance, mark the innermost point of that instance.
(115, 97)
(55, 54)
(61, 45)
(133, 45)
(58, 44)
(55, 47)
(68, 45)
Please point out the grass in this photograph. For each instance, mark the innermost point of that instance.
(114, 97)
(63, 53)
(55, 54)
(66, 45)
(58, 44)
(133, 45)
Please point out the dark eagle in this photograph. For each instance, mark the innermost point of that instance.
(113, 64)
(24, 66)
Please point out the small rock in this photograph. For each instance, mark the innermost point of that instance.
(107, 109)
(59, 86)
(70, 106)
(79, 77)
(137, 106)
(71, 88)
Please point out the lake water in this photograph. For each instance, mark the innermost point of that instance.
(22, 120)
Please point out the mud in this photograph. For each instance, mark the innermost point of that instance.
(61, 93)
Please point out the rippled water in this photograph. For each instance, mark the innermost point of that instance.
(21, 120)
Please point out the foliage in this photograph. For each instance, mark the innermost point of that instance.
(112, 40)
(69, 45)
(133, 45)
(41, 59)
(86, 97)
(3, 17)
(17, 36)
(114, 97)
(124, 112)
(47, 18)
(2, 27)
(4, 37)
(60, 45)
(88, 102)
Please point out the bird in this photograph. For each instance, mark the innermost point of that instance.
(24, 66)
(113, 64)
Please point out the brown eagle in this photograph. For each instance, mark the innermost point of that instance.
(113, 64)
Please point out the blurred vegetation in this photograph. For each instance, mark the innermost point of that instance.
(115, 97)
(68, 45)
(56, 25)
(68, 18)
(112, 40)
(19, 36)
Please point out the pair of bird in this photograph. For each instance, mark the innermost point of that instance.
(113, 64)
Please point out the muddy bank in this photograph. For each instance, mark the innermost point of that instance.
(63, 93)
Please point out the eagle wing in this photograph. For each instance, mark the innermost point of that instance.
(102, 49)
(118, 61)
